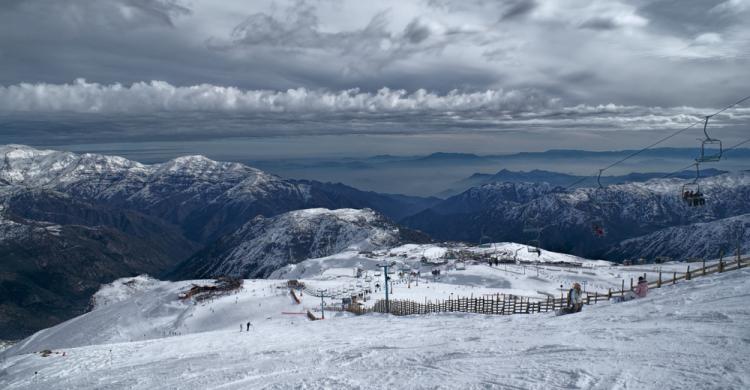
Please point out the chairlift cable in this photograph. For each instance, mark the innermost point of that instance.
(672, 135)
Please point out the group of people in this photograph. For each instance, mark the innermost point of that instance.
(693, 198)
(575, 295)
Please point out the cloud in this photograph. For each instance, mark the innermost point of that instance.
(345, 111)
(157, 96)
(623, 47)
(360, 50)
(731, 7)
(518, 8)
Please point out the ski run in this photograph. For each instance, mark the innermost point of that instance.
(141, 335)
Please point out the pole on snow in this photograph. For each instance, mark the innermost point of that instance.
(387, 278)
(322, 304)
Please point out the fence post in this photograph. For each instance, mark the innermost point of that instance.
(658, 282)
(609, 294)
(687, 274)
(739, 262)
(631, 283)
(622, 291)
(721, 266)
(674, 278)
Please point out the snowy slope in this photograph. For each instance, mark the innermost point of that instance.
(699, 240)
(153, 310)
(692, 335)
(534, 277)
(263, 245)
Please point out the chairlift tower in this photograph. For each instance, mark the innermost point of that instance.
(322, 294)
(386, 278)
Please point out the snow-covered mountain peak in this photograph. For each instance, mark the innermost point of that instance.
(263, 245)
(348, 215)
(15, 151)
(672, 185)
(198, 166)
(27, 166)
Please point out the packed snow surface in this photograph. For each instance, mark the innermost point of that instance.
(690, 335)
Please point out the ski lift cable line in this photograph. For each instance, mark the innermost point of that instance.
(674, 134)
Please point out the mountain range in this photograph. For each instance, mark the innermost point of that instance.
(71, 222)
(567, 221)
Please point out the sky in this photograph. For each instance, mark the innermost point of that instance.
(294, 78)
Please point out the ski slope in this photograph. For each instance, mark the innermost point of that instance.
(692, 335)
(336, 273)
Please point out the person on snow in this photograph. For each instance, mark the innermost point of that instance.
(248, 326)
(575, 298)
(641, 290)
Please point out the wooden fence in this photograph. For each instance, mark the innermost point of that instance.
(502, 304)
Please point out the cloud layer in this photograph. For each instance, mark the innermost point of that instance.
(630, 52)
(156, 96)
(285, 67)
(489, 109)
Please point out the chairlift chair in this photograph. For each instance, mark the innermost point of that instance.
(597, 227)
(533, 247)
(691, 192)
(711, 148)
(692, 195)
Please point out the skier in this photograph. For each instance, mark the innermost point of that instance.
(575, 299)
(641, 290)
(248, 326)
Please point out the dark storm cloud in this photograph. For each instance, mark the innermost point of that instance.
(599, 23)
(518, 8)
